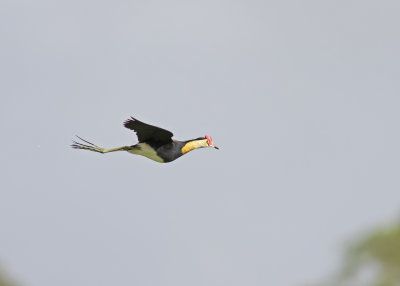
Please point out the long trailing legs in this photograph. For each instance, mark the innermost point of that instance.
(95, 148)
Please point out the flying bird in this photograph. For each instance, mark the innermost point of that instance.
(155, 143)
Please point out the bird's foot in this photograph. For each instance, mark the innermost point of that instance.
(91, 146)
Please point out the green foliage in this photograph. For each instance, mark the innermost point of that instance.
(380, 248)
(4, 281)
(377, 255)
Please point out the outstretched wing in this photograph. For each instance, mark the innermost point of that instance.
(148, 133)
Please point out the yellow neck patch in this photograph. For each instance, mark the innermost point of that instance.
(191, 145)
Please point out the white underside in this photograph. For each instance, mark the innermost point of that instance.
(146, 151)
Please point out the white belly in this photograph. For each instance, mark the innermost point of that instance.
(145, 150)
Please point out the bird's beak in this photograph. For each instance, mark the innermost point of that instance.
(214, 147)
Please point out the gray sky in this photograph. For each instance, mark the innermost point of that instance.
(302, 97)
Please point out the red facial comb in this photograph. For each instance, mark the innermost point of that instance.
(210, 142)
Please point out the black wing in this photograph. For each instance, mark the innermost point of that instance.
(148, 133)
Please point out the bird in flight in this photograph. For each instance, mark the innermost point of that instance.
(155, 143)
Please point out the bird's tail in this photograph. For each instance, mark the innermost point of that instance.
(91, 146)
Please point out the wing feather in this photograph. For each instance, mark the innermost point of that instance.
(148, 133)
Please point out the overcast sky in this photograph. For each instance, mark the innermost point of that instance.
(302, 97)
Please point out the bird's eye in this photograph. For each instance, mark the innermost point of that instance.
(208, 142)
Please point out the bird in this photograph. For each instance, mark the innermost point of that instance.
(155, 143)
